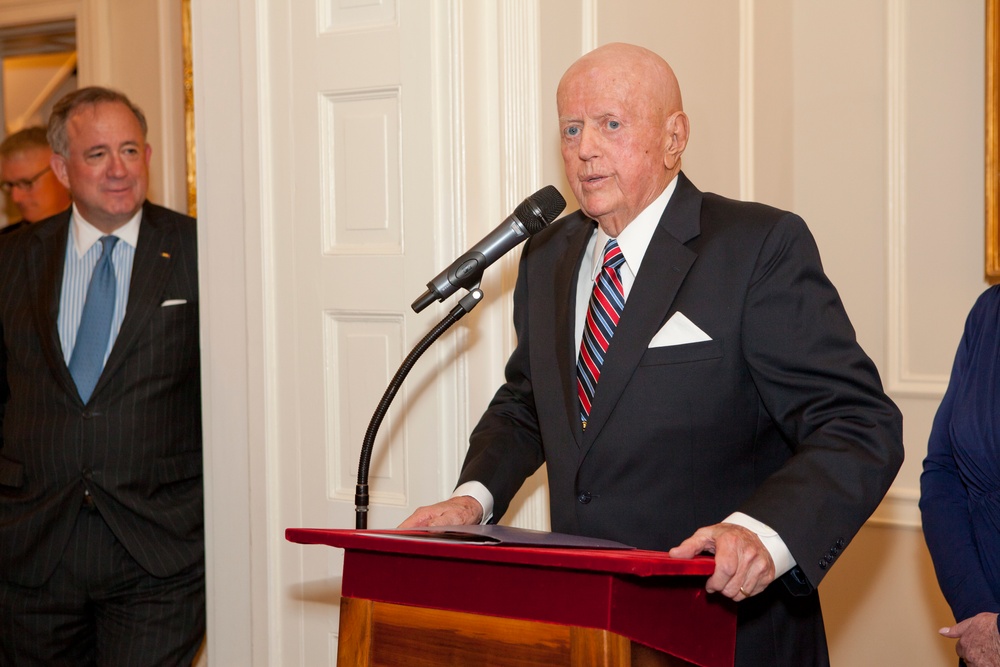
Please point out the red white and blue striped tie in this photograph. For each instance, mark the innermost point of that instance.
(606, 305)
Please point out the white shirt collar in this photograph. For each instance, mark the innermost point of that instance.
(634, 239)
(86, 235)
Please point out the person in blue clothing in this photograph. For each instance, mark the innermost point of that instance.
(960, 488)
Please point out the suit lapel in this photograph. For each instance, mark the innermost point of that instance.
(566, 353)
(45, 265)
(154, 253)
(664, 267)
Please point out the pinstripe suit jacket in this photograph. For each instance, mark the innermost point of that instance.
(136, 445)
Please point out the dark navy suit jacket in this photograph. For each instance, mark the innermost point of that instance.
(780, 415)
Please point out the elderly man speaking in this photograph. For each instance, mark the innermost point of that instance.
(686, 371)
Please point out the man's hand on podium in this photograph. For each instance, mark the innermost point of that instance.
(743, 567)
(458, 511)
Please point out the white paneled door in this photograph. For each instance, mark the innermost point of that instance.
(355, 169)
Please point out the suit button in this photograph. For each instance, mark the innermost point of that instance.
(87, 473)
(584, 497)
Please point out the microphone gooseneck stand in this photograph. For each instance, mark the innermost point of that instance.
(466, 304)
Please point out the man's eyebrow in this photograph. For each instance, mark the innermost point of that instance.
(129, 142)
(601, 117)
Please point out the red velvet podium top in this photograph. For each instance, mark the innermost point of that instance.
(646, 596)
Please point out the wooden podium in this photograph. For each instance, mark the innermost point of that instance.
(430, 603)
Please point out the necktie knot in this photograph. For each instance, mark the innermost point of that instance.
(613, 256)
(108, 244)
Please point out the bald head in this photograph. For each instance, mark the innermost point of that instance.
(623, 131)
(633, 67)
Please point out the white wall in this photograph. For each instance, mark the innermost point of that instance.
(863, 116)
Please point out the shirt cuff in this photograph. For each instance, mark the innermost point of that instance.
(480, 494)
(782, 557)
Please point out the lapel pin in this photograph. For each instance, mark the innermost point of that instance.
(165, 255)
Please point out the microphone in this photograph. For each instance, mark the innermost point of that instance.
(530, 217)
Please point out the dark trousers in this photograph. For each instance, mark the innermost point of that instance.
(100, 608)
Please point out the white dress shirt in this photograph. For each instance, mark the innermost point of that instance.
(82, 255)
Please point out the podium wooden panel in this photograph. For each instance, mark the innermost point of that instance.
(417, 603)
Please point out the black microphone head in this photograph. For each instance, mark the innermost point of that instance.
(541, 208)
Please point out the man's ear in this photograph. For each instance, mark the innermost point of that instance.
(58, 164)
(677, 130)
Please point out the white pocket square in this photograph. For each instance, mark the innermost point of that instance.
(678, 330)
(173, 302)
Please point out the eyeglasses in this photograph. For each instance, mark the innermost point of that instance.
(23, 184)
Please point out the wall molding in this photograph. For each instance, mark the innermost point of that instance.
(901, 380)
(899, 509)
(234, 385)
(93, 33)
(519, 46)
(588, 26)
(746, 100)
(451, 174)
(171, 106)
(93, 30)
(519, 98)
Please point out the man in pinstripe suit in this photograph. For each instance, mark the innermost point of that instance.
(101, 504)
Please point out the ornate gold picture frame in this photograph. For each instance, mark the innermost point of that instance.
(993, 141)
(192, 181)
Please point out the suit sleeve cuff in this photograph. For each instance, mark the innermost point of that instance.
(481, 494)
(782, 557)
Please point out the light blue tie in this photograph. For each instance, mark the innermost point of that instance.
(87, 361)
